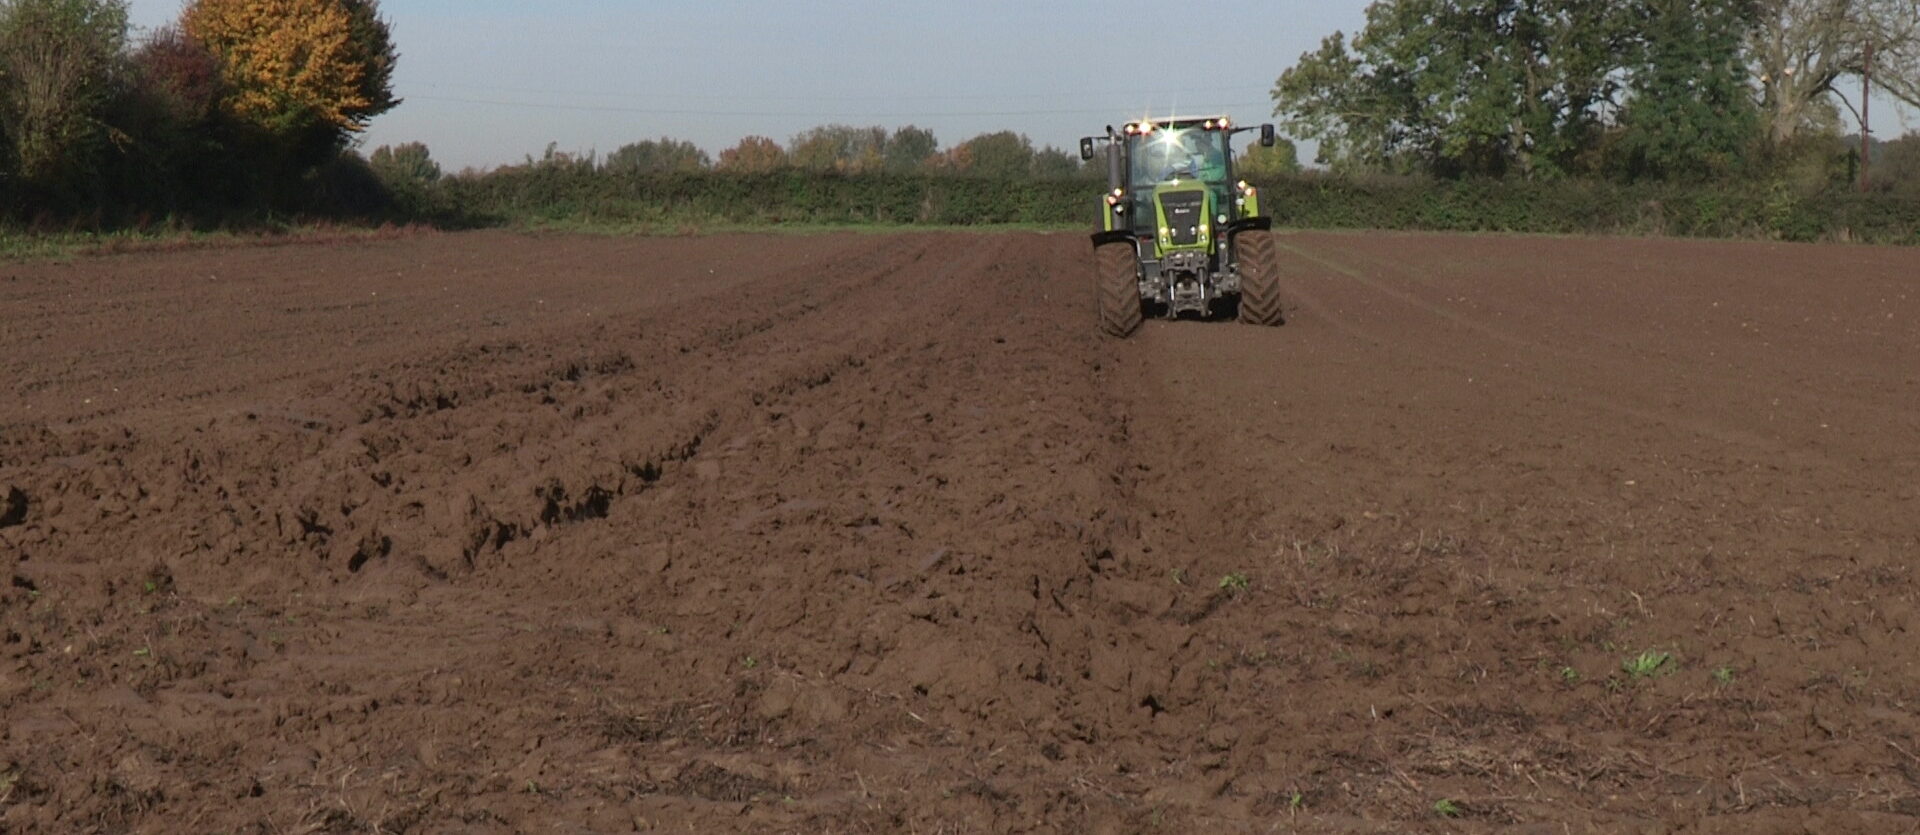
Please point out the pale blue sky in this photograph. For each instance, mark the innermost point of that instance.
(489, 81)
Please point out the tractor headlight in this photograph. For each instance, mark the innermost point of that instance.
(1223, 220)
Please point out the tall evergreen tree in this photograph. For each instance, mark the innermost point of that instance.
(1690, 112)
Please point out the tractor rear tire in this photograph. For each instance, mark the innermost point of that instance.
(1259, 280)
(1117, 289)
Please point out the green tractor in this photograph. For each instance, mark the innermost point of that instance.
(1180, 234)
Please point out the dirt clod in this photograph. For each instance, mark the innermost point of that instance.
(13, 507)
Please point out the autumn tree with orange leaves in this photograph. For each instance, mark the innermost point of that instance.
(299, 70)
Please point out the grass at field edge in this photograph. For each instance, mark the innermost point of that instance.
(17, 246)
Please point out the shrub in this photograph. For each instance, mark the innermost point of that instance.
(410, 163)
(841, 148)
(1257, 162)
(168, 158)
(1897, 171)
(753, 155)
(657, 155)
(407, 173)
(59, 63)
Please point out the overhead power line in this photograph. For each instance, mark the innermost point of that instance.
(1158, 95)
(817, 114)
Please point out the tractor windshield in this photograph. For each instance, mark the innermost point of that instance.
(1170, 153)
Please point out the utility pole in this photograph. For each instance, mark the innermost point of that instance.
(1866, 123)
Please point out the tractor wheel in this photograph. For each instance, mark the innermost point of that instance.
(1117, 289)
(1259, 280)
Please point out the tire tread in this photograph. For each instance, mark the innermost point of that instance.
(1259, 280)
(1117, 290)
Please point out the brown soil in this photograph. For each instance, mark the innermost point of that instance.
(497, 533)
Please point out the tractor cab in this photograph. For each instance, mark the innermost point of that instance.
(1172, 159)
(1176, 155)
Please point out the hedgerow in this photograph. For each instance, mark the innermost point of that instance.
(580, 193)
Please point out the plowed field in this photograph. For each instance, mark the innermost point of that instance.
(864, 533)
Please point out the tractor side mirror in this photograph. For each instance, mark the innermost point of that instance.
(1267, 137)
(1086, 149)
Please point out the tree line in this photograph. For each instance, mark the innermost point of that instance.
(845, 149)
(237, 105)
(855, 150)
(411, 174)
(1632, 90)
(251, 108)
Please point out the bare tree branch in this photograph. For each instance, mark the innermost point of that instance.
(1802, 48)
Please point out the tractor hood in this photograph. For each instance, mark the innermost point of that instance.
(1183, 215)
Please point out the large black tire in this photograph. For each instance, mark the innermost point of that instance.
(1117, 289)
(1259, 279)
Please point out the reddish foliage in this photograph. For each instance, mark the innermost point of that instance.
(179, 72)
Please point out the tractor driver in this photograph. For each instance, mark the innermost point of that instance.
(1193, 156)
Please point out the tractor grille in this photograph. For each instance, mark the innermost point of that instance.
(1184, 213)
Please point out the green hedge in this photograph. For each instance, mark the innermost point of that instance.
(577, 193)
(780, 197)
(1732, 210)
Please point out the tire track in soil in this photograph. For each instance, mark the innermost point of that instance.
(906, 681)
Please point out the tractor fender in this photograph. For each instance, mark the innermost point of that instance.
(1249, 224)
(1113, 236)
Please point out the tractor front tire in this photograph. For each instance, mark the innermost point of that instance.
(1117, 289)
(1259, 280)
